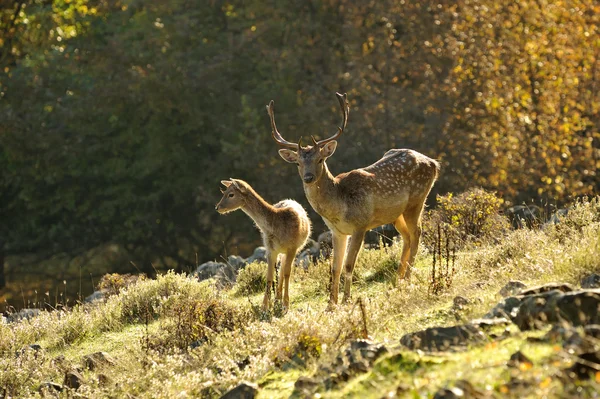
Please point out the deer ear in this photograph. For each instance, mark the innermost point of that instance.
(226, 183)
(289, 155)
(328, 149)
(240, 187)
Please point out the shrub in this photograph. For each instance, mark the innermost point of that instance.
(113, 283)
(470, 217)
(251, 279)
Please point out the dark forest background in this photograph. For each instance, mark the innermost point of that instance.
(118, 119)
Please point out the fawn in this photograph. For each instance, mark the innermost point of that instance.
(284, 227)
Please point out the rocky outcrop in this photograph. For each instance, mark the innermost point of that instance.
(443, 338)
(245, 390)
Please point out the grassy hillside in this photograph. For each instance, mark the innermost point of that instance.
(175, 337)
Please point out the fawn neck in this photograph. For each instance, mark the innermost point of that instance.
(258, 209)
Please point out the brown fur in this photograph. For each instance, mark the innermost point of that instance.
(284, 227)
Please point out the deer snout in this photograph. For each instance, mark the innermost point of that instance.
(308, 178)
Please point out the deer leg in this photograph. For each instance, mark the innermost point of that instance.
(286, 267)
(280, 280)
(356, 243)
(413, 222)
(271, 260)
(400, 225)
(340, 242)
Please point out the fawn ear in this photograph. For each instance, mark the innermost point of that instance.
(239, 186)
(328, 149)
(289, 155)
(226, 183)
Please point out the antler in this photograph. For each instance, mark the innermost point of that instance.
(276, 135)
(343, 99)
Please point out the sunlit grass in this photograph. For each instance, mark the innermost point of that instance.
(149, 326)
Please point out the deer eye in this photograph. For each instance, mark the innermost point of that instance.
(230, 195)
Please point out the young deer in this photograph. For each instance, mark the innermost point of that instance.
(284, 227)
(392, 190)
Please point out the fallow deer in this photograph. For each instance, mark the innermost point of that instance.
(392, 190)
(284, 227)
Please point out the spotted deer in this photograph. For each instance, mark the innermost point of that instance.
(392, 190)
(284, 227)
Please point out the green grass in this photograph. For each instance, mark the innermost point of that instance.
(148, 326)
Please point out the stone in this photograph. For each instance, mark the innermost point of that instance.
(511, 288)
(443, 338)
(96, 296)
(237, 262)
(522, 216)
(586, 365)
(23, 314)
(325, 241)
(208, 270)
(96, 360)
(245, 390)
(591, 281)
(507, 308)
(259, 255)
(540, 289)
(459, 302)
(577, 308)
(518, 359)
(486, 324)
(49, 388)
(73, 379)
(305, 387)
(226, 276)
(385, 233)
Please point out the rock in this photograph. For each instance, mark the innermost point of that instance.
(385, 233)
(591, 281)
(245, 390)
(486, 324)
(460, 302)
(357, 358)
(103, 380)
(507, 308)
(540, 289)
(461, 389)
(532, 312)
(49, 388)
(259, 255)
(237, 262)
(303, 259)
(325, 241)
(586, 365)
(443, 338)
(73, 379)
(226, 276)
(23, 314)
(305, 387)
(96, 296)
(557, 216)
(518, 360)
(96, 360)
(208, 270)
(521, 216)
(576, 308)
(511, 288)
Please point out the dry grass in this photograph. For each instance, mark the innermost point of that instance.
(148, 326)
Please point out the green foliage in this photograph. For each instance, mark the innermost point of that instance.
(251, 279)
(113, 283)
(469, 217)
